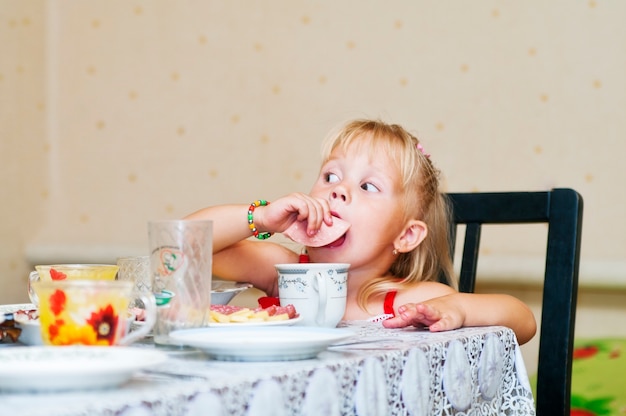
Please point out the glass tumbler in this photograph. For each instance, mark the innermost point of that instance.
(181, 255)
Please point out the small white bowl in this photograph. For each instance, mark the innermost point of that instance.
(31, 331)
(223, 291)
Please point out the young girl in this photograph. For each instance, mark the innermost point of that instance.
(377, 177)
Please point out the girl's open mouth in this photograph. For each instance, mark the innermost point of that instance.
(338, 242)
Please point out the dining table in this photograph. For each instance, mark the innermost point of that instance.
(375, 371)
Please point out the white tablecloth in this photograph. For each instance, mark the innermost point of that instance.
(470, 371)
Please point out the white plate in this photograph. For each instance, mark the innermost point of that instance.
(16, 307)
(38, 369)
(276, 343)
(284, 322)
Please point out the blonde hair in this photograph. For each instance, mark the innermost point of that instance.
(422, 200)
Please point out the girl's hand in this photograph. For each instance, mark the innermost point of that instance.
(281, 213)
(438, 314)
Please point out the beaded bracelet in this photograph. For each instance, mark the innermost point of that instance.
(255, 232)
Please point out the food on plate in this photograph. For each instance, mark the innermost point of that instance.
(326, 234)
(8, 328)
(26, 315)
(232, 314)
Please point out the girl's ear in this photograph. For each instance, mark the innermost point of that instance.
(412, 236)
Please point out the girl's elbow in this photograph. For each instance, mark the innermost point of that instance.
(527, 330)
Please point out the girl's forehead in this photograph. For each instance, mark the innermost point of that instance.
(362, 153)
(364, 145)
(375, 156)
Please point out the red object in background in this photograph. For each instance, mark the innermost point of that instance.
(585, 352)
(581, 412)
(267, 301)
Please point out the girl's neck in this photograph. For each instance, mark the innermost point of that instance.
(357, 278)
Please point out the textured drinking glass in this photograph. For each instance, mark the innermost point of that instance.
(135, 269)
(180, 262)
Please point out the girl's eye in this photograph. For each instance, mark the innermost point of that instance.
(331, 178)
(369, 187)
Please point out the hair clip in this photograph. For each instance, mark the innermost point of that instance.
(421, 149)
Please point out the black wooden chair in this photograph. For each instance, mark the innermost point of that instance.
(562, 210)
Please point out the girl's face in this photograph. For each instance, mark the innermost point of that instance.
(364, 189)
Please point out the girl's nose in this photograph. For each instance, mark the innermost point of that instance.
(339, 193)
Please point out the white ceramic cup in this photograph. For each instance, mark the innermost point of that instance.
(317, 290)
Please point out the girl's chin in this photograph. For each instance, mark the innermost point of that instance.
(327, 254)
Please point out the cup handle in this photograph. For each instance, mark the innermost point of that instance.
(32, 278)
(321, 290)
(149, 303)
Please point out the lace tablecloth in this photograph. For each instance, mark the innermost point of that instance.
(470, 371)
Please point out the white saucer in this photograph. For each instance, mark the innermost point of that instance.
(274, 343)
(38, 369)
(16, 307)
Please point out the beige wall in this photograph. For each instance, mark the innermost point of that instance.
(23, 144)
(115, 112)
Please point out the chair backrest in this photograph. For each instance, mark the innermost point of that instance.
(562, 209)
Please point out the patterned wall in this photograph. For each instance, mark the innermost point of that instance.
(117, 112)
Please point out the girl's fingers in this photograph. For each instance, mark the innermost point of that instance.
(318, 212)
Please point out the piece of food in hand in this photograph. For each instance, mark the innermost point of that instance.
(325, 235)
(234, 314)
(8, 329)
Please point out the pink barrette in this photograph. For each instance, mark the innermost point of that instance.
(421, 149)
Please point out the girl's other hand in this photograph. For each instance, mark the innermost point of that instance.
(438, 314)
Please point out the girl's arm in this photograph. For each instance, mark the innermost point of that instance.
(456, 309)
(230, 222)
(237, 257)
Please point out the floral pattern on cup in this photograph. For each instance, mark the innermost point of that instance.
(57, 275)
(88, 312)
(98, 328)
(301, 285)
(298, 283)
